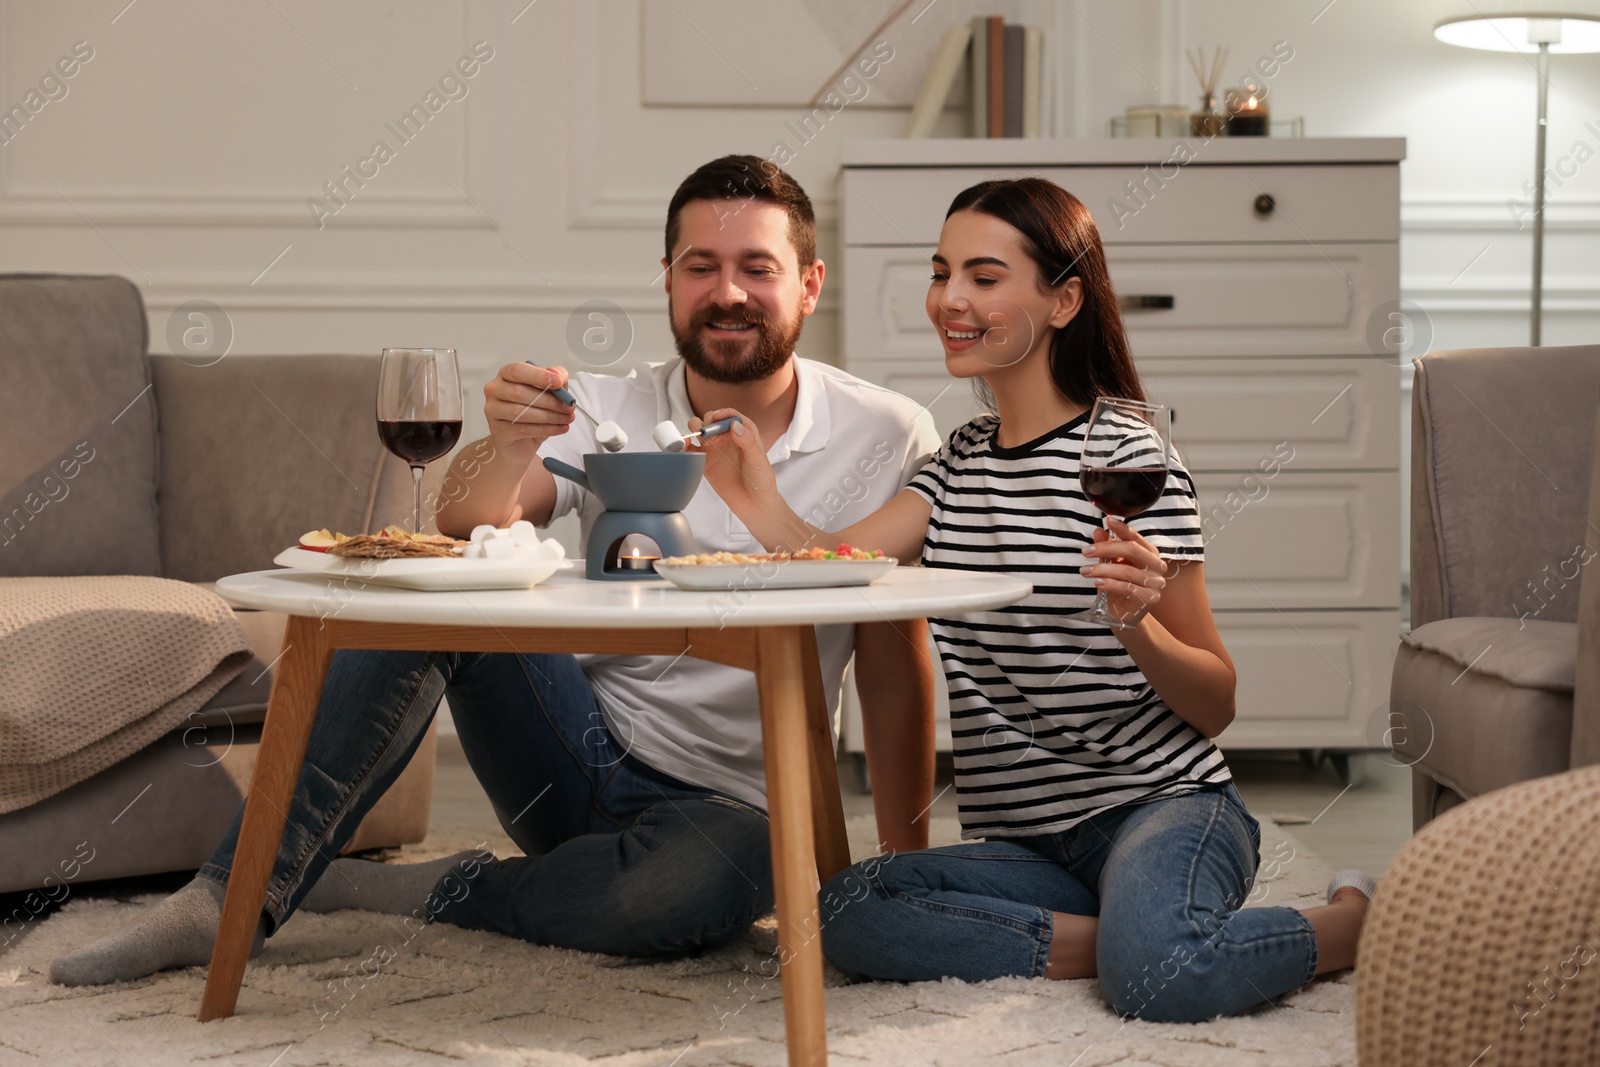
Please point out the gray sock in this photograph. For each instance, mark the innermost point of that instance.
(390, 888)
(178, 933)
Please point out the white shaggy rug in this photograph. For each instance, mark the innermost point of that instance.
(316, 996)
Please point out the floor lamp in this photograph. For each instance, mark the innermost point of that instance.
(1532, 28)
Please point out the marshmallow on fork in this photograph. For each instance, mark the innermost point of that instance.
(668, 439)
(611, 437)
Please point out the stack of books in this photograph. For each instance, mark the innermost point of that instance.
(1006, 67)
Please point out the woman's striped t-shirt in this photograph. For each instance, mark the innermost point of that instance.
(1051, 719)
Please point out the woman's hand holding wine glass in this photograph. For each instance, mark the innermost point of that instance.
(1123, 467)
(1126, 569)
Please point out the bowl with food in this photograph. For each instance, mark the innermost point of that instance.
(810, 568)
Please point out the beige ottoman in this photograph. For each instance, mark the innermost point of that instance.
(1483, 944)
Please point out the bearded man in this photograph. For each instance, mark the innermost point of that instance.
(634, 785)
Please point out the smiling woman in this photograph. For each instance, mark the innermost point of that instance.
(1092, 789)
(1032, 272)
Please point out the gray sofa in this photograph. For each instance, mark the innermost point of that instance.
(1498, 681)
(201, 468)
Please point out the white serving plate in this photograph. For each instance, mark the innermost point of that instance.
(429, 574)
(790, 574)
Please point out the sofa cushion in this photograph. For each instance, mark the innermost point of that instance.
(1520, 420)
(242, 702)
(290, 444)
(1530, 652)
(78, 429)
(1472, 731)
(171, 801)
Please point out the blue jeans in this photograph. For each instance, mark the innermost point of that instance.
(1166, 878)
(620, 858)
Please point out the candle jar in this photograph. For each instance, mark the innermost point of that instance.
(1153, 120)
(1247, 111)
(1143, 120)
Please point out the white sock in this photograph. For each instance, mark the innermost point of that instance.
(1363, 881)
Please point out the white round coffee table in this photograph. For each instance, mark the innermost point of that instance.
(768, 631)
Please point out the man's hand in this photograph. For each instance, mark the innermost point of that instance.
(521, 410)
(495, 481)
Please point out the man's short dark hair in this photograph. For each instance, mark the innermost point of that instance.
(747, 178)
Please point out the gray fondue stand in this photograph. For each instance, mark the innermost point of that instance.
(644, 494)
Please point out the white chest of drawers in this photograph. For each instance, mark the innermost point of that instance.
(1272, 265)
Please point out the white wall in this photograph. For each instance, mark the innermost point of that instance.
(185, 151)
(183, 154)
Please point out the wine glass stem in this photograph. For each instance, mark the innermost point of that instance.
(416, 499)
(1102, 604)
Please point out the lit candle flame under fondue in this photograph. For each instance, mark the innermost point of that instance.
(636, 561)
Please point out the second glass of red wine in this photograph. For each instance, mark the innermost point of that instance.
(1124, 470)
(419, 410)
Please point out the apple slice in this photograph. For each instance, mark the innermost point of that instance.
(318, 541)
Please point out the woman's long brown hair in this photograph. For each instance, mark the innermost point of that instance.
(1089, 357)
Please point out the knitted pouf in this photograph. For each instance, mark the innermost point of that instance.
(1482, 946)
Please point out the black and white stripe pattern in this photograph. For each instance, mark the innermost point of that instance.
(1051, 719)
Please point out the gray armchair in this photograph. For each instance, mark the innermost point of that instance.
(200, 469)
(1498, 681)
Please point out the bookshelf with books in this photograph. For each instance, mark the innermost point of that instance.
(1006, 79)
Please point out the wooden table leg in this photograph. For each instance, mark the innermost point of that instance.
(291, 710)
(780, 679)
(833, 844)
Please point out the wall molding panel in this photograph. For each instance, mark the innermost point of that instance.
(1483, 214)
(414, 295)
(108, 208)
(562, 163)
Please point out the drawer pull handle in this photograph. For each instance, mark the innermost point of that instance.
(1265, 204)
(1146, 302)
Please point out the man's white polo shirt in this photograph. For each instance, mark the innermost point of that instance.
(849, 449)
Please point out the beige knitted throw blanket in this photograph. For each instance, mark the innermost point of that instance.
(94, 669)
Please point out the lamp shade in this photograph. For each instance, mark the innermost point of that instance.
(1522, 25)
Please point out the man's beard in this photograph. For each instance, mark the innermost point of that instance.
(774, 344)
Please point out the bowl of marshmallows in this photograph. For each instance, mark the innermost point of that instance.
(514, 556)
(519, 541)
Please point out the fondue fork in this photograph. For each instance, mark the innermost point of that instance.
(609, 434)
(668, 439)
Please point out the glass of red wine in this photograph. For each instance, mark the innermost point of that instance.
(419, 410)
(1124, 470)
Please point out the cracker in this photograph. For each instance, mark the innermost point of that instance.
(377, 546)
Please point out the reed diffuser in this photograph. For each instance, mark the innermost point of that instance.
(1210, 120)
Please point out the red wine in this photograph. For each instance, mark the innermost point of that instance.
(1124, 491)
(417, 442)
